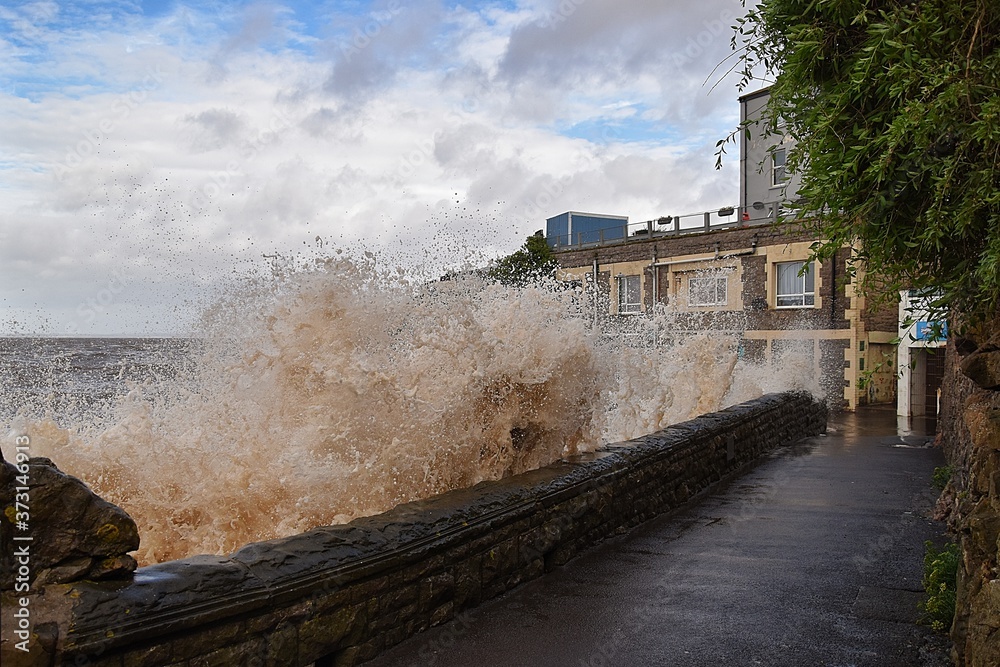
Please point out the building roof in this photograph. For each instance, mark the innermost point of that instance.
(755, 94)
(591, 215)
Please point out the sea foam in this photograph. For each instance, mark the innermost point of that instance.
(341, 390)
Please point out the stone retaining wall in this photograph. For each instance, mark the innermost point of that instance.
(339, 595)
(970, 430)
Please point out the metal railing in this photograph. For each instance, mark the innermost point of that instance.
(692, 223)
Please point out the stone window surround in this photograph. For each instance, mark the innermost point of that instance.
(792, 252)
(801, 289)
(684, 268)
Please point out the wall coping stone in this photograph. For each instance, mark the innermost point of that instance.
(167, 600)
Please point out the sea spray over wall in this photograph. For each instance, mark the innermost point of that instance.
(341, 391)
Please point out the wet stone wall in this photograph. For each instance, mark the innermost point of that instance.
(339, 595)
(970, 435)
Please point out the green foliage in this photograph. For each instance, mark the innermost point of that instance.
(895, 108)
(942, 475)
(940, 574)
(532, 262)
(867, 377)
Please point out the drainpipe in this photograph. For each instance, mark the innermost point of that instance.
(656, 280)
(833, 287)
(597, 304)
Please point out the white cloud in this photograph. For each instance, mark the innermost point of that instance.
(176, 148)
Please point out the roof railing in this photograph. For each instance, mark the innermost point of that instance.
(693, 223)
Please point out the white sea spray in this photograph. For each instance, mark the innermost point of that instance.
(342, 390)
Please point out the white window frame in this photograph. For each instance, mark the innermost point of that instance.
(777, 182)
(803, 294)
(626, 307)
(720, 290)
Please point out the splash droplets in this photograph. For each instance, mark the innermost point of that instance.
(343, 390)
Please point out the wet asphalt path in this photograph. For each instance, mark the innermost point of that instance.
(813, 558)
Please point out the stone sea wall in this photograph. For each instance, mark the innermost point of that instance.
(970, 429)
(339, 595)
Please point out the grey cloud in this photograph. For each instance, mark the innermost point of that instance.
(466, 146)
(363, 73)
(584, 44)
(617, 185)
(341, 125)
(638, 175)
(583, 37)
(370, 52)
(320, 122)
(501, 182)
(261, 22)
(296, 192)
(537, 101)
(213, 129)
(40, 244)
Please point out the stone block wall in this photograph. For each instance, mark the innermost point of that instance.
(970, 435)
(339, 595)
(839, 314)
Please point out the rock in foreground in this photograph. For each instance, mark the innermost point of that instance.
(75, 534)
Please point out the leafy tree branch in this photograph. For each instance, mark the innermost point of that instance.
(532, 262)
(895, 108)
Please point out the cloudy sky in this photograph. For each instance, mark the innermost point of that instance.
(150, 151)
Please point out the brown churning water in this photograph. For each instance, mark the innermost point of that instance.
(340, 391)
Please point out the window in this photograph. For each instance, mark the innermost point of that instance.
(796, 289)
(708, 291)
(629, 295)
(778, 176)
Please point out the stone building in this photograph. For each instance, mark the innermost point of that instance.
(746, 270)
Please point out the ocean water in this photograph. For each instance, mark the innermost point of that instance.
(340, 390)
(74, 376)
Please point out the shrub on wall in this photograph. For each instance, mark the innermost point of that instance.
(940, 572)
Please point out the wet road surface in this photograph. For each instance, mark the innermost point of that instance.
(813, 558)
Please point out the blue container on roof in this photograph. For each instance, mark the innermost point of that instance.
(575, 228)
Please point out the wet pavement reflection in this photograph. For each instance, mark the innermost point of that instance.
(812, 558)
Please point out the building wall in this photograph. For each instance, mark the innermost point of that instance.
(836, 331)
(557, 227)
(851, 344)
(756, 184)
